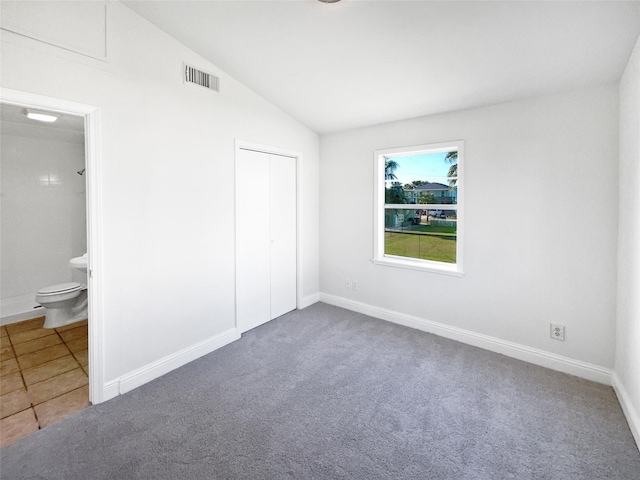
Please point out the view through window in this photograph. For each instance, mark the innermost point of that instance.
(418, 218)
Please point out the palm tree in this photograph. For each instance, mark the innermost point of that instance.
(390, 167)
(453, 169)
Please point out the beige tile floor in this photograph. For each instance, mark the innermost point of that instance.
(43, 376)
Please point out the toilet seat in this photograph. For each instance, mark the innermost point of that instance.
(63, 304)
(60, 288)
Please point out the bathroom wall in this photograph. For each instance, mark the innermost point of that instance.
(43, 214)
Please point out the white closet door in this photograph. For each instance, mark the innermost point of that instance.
(283, 235)
(253, 269)
(265, 237)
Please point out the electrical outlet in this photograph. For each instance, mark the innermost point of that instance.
(354, 285)
(347, 283)
(557, 331)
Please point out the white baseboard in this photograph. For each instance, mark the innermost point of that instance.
(111, 390)
(308, 301)
(633, 416)
(149, 372)
(493, 344)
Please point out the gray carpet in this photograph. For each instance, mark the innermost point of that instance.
(328, 393)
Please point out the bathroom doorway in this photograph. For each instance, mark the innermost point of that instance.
(79, 129)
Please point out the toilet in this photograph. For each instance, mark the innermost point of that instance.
(63, 304)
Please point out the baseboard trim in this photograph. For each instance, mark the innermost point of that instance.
(156, 369)
(633, 416)
(110, 390)
(493, 344)
(308, 301)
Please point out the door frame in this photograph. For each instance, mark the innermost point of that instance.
(269, 149)
(94, 207)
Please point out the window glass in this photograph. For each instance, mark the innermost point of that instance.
(428, 177)
(420, 234)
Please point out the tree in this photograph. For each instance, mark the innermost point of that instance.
(394, 194)
(390, 167)
(453, 169)
(427, 198)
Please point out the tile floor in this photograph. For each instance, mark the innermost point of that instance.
(43, 376)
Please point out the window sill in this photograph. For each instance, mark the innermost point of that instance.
(422, 265)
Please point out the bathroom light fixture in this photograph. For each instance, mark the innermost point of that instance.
(41, 116)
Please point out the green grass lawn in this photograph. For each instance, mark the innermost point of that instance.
(444, 231)
(423, 243)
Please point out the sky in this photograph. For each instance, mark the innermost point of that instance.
(430, 167)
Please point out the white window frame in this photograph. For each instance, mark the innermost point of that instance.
(379, 257)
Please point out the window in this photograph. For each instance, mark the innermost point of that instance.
(418, 207)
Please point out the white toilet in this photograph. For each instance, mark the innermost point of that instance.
(63, 304)
(67, 302)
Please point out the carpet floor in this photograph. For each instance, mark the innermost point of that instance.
(325, 393)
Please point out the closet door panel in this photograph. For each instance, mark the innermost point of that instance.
(283, 234)
(253, 226)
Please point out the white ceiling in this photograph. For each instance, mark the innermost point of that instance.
(363, 62)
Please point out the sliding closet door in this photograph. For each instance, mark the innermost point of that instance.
(283, 235)
(253, 265)
(265, 237)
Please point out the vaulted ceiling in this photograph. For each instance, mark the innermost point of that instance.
(363, 62)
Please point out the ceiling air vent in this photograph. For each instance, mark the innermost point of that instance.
(198, 77)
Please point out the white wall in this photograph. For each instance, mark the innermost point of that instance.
(628, 314)
(167, 153)
(43, 212)
(541, 222)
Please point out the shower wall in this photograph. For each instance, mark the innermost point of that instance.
(43, 214)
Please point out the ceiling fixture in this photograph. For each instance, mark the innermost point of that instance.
(41, 116)
(329, 1)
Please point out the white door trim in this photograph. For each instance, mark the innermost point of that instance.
(245, 145)
(91, 115)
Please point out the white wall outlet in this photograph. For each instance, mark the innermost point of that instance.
(348, 284)
(557, 331)
(354, 285)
